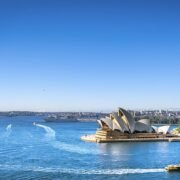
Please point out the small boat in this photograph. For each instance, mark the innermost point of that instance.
(172, 168)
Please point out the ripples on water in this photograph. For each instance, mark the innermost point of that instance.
(33, 149)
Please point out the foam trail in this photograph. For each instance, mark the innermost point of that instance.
(50, 133)
(71, 148)
(8, 130)
(81, 171)
(123, 171)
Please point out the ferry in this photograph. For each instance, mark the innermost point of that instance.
(172, 168)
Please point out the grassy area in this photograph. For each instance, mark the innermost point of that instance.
(177, 130)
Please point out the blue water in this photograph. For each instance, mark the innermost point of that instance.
(43, 150)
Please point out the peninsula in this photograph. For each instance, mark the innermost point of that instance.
(121, 126)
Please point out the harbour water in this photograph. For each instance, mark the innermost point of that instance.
(33, 149)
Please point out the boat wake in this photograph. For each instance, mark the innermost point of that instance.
(51, 137)
(50, 133)
(81, 171)
(8, 130)
(71, 148)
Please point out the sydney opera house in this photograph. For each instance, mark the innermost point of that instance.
(124, 122)
(121, 126)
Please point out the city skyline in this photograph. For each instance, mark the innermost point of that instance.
(89, 55)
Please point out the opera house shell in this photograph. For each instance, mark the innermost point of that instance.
(124, 122)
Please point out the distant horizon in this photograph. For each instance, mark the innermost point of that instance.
(103, 111)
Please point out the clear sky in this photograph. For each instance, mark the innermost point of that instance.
(89, 55)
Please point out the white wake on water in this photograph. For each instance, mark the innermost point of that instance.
(80, 171)
(50, 133)
(51, 137)
(8, 130)
(71, 148)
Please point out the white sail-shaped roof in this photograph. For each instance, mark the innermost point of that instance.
(155, 128)
(141, 127)
(124, 122)
(100, 123)
(120, 122)
(108, 122)
(145, 121)
(129, 119)
(112, 124)
(116, 126)
(163, 129)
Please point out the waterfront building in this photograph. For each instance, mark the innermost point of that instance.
(124, 122)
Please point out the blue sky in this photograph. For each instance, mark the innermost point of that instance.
(89, 55)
